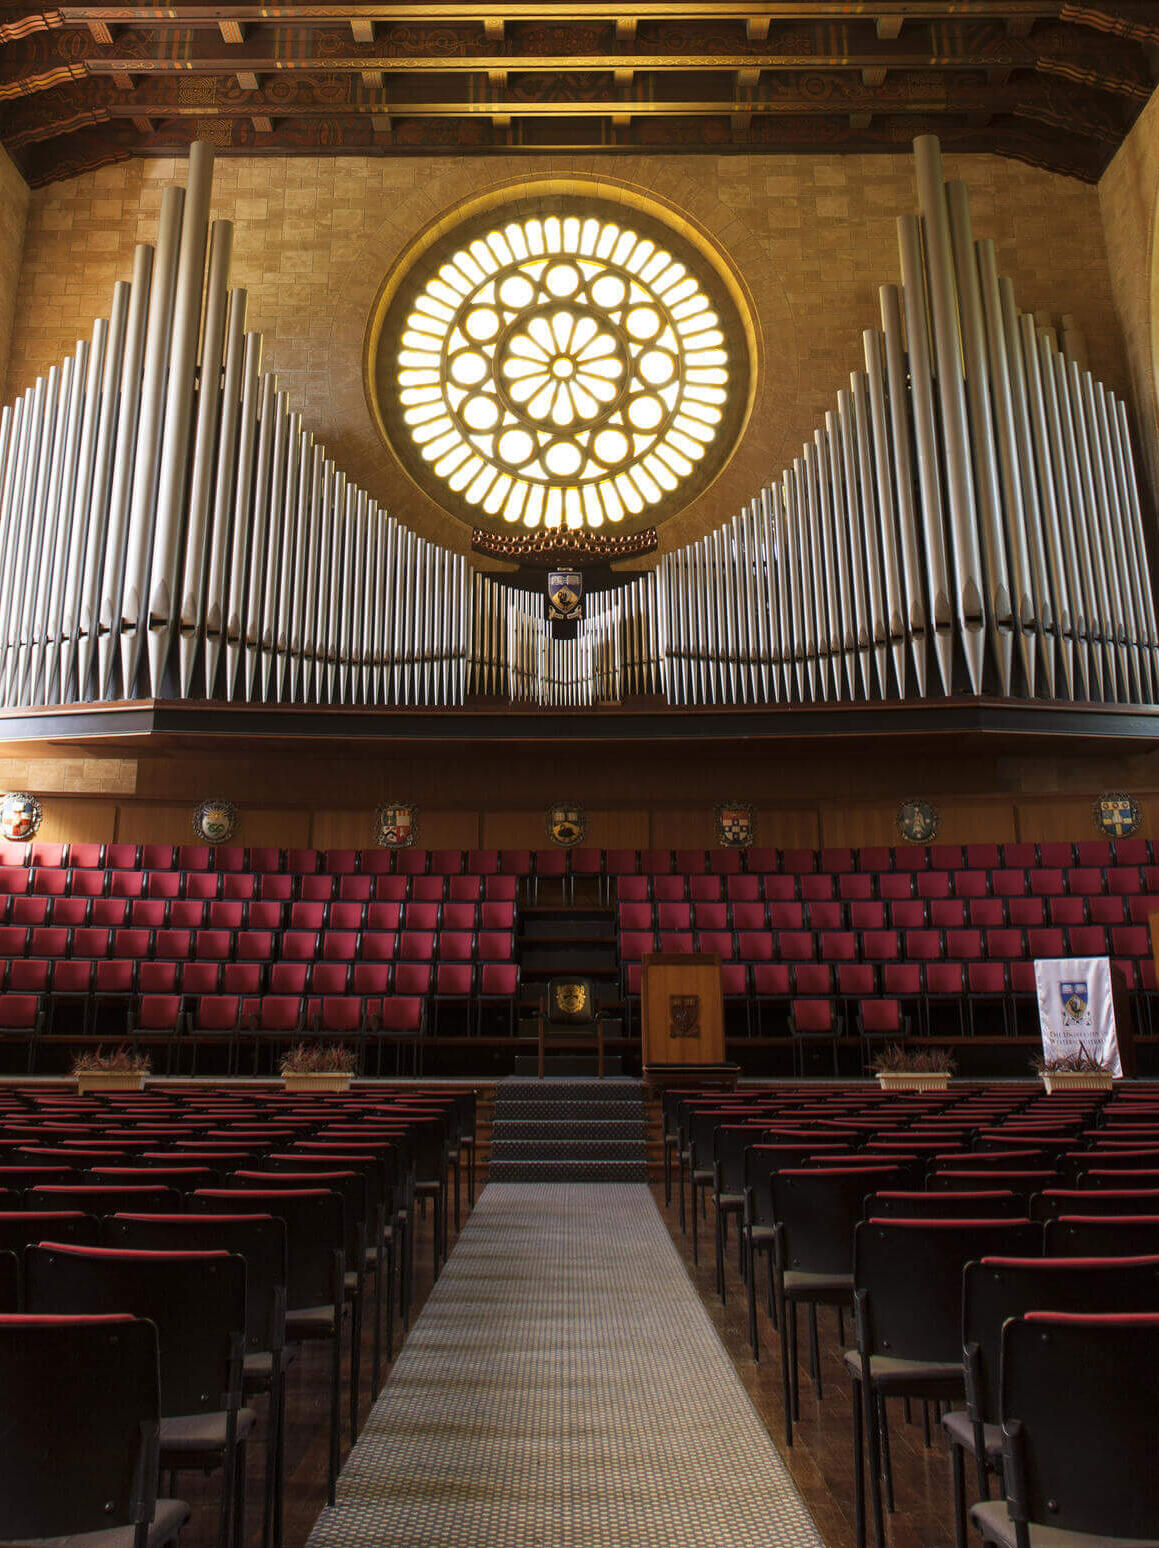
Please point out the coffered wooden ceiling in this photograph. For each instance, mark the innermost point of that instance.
(1051, 82)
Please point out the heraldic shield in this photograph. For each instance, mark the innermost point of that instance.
(1075, 995)
(1117, 815)
(564, 595)
(566, 824)
(20, 816)
(395, 825)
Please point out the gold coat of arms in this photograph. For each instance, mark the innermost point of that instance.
(395, 825)
(566, 824)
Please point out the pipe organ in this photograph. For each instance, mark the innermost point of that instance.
(966, 520)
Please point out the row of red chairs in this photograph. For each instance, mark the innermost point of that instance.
(1007, 944)
(891, 886)
(874, 914)
(55, 941)
(28, 909)
(246, 886)
(582, 861)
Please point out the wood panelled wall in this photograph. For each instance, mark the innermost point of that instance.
(635, 795)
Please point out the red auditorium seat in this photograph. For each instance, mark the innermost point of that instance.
(317, 886)
(464, 889)
(895, 884)
(1084, 882)
(243, 885)
(1058, 854)
(907, 914)
(428, 889)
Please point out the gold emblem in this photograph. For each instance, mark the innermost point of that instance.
(571, 999)
(566, 824)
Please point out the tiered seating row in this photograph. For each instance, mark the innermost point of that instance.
(900, 931)
(339, 948)
(940, 1220)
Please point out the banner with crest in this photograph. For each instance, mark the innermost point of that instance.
(1076, 1014)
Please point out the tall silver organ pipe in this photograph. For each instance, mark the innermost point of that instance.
(965, 520)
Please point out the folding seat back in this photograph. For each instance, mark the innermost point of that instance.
(456, 946)
(195, 1300)
(895, 884)
(430, 889)
(719, 942)
(908, 1281)
(301, 862)
(126, 884)
(908, 1205)
(672, 916)
(654, 862)
(48, 941)
(340, 862)
(1084, 881)
(1057, 1370)
(244, 885)
(1101, 1236)
(724, 862)
(1029, 913)
(743, 889)
(156, 857)
(996, 1289)
(933, 884)
(299, 945)
(104, 1480)
(416, 945)
(669, 888)
(339, 945)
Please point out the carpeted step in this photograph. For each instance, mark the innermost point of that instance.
(578, 1112)
(614, 1089)
(567, 1171)
(572, 1128)
(565, 1149)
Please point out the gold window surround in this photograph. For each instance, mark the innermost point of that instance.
(519, 337)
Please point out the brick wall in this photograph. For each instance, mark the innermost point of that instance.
(14, 198)
(814, 237)
(1127, 195)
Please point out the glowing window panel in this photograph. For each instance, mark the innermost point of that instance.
(562, 371)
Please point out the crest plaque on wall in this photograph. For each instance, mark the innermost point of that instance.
(20, 816)
(564, 596)
(566, 824)
(917, 821)
(1117, 815)
(215, 821)
(396, 825)
(734, 825)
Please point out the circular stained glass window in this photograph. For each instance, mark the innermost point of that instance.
(563, 368)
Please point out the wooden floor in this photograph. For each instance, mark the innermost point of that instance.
(820, 1459)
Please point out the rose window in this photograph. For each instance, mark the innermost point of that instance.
(563, 371)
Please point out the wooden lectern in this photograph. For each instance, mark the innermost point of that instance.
(681, 1010)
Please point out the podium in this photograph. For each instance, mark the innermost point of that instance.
(681, 1012)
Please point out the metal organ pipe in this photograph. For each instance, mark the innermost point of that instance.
(971, 494)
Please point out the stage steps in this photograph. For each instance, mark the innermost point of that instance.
(568, 1130)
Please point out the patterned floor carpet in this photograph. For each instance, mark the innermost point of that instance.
(564, 1388)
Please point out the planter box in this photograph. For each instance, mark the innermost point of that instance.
(1077, 1080)
(907, 1081)
(321, 1080)
(110, 1080)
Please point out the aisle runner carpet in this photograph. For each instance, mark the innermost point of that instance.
(564, 1388)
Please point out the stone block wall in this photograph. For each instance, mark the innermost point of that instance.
(14, 197)
(814, 237)
(1129, 198)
